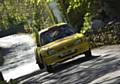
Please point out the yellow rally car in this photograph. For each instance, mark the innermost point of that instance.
(57, 44)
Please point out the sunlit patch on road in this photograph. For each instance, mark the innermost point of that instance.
(18, 52)
(20, 71)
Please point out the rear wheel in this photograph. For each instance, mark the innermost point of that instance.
(88, 53)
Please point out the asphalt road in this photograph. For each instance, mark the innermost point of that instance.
(19, 64)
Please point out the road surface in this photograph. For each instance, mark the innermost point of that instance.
(19, 64)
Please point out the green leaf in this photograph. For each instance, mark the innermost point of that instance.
(49, 1)
(38, 1)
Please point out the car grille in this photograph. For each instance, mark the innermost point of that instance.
(67, 53)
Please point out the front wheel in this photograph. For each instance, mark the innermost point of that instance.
(88, 53)
(41, 66)
(49, 68)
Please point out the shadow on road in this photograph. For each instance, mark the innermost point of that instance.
(1, 57)
(74, 62)
(58, 67)
(115, 80)
(28, 75)
(3, 53)
(103, 68)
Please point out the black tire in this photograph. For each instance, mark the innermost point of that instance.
(41, 66)
(88, 53)
(49, 68)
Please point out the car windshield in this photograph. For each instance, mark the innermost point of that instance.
(55, 33)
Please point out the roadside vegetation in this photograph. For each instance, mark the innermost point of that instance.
(29, 15)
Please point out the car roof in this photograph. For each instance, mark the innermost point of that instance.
(48, 28)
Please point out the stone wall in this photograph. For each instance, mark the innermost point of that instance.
(108, 35)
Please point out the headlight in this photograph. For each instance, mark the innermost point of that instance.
(77, 41)
(51, 52)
